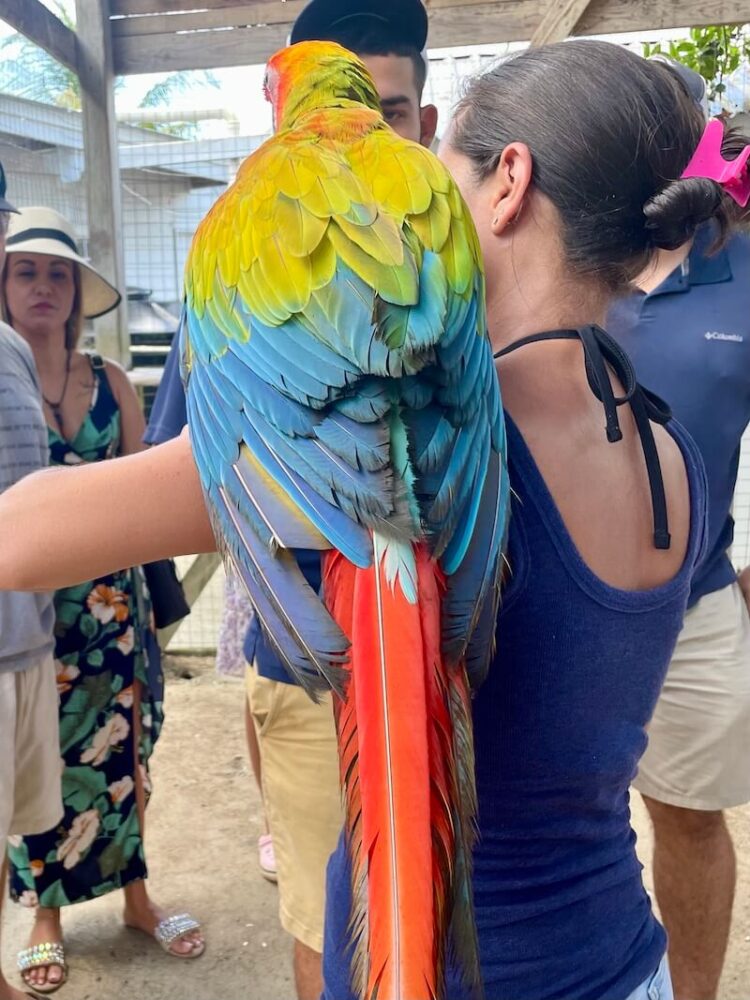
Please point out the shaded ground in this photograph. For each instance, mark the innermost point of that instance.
(204, 821)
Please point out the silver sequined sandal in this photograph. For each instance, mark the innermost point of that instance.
(43, 956)
(173, 928)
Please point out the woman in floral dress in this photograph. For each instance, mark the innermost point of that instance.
(109, 671)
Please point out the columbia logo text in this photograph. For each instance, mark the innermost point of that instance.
(734, 338)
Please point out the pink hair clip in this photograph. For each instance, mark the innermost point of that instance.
(708, 161)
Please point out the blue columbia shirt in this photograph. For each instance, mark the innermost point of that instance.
(689, 340)
(168, 417)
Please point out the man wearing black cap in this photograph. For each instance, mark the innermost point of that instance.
(30, 790)
(391, 36)
(297, 738)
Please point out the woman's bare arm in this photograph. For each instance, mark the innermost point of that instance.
(63, 526)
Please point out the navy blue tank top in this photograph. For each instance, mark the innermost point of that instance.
(560, 725)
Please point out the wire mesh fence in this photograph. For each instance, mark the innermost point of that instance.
(177, 153)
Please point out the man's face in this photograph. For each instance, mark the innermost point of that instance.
(396, 84)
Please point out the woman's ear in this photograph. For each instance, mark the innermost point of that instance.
(511, 182)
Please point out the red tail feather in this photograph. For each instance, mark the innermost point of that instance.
(396, 746)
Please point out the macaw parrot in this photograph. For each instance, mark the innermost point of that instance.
(342, 397)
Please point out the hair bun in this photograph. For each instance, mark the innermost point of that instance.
(674, 214)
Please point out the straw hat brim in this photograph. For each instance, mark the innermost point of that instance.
(98, 296)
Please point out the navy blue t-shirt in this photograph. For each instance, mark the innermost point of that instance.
(257, 649)
(168, 417)
(169, 412)
(560, 725)
(690, 342)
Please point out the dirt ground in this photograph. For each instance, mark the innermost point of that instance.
(203, 823)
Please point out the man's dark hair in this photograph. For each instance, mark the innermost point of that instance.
(380, 40)
(610, 134)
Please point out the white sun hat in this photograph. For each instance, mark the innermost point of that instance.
(42, 230)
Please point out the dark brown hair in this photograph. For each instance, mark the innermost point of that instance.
(610, 134)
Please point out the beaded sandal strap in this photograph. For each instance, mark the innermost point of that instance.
(174, 927)
(41, 956)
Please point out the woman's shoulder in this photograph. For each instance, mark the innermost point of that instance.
(685, 475)
(117, 377)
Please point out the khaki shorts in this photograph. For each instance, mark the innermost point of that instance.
(30, 765)
(300, 778)
(698, 755)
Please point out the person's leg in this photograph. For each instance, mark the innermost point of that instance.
(695, 767)
(46, 929)
(141, 912)
(38, 797)
(266, 853)
(235, 618)
(7, 992)
(694, 878)
(303, 803)
(308, 974)
(7, 794)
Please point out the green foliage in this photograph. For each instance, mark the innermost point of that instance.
(34, 74)
(715, 52)
(177, 83)
(161, 94)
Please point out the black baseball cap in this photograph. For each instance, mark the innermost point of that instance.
(407, 19)
(692, 82)
(5, 205)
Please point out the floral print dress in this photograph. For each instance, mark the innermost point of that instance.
(106, 653)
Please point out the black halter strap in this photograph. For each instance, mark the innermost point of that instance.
(600, 351)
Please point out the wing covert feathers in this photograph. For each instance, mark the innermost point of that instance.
(342, 398)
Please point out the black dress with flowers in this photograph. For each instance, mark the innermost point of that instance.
(107, 662)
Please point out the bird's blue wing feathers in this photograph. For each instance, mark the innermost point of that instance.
(291, 428)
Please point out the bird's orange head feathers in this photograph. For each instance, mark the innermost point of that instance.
(311, 76)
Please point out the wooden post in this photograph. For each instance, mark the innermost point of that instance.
(102, 169)
(559, 21)
(194, 583)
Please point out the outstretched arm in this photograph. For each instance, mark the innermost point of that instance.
(62, 526)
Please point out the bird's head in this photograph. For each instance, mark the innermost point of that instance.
(315, 75)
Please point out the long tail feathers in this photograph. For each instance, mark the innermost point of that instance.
(409, 800)
(463, 942)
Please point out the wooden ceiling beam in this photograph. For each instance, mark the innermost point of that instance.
(559, 21)
(176, 15)
(236, 15)
(41, 27)
(141, 7)
(167, 6)
(452, 23)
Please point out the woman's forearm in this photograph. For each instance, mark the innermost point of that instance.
(63, 526)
